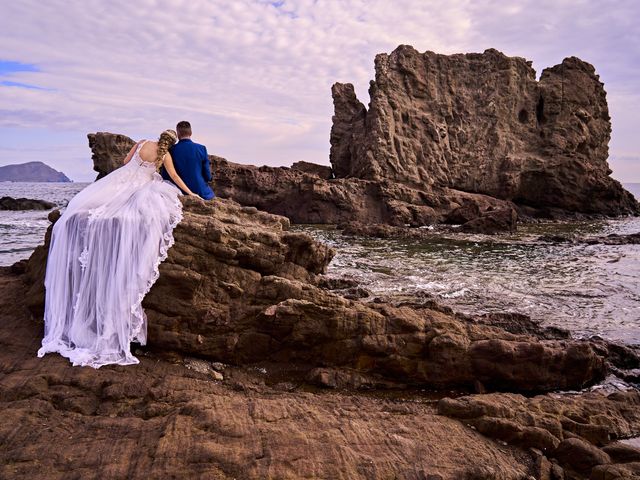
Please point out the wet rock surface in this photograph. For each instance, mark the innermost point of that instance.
(611, 239)
(492, 222)
(568, 430)
(10, 203)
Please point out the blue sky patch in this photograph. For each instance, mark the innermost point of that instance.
(7, 83)
(7, 67)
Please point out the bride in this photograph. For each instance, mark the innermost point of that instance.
(104, 255)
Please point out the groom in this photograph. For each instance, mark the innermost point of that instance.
(191, 162)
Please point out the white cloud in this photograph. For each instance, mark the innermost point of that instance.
(255, 78)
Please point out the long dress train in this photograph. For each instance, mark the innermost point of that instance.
(103, 259)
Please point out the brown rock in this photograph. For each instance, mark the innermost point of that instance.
(557, 472)
(109, 151)
(160, 419)
(581, 456)
(9, 203)
(542, 422)
(322, 171)
(464, 213)
(492, 222)
(238, 288)
(627, 471)
(482, 123)
(621, 453)
(348, 125)
(522, 324)
(304, 196)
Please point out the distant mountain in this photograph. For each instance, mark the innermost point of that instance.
(31, 172)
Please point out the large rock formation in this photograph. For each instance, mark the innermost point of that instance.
(445, 139)
(305, 195)
(159, 419)
(482, 123)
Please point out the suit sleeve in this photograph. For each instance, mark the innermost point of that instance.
(206, 166)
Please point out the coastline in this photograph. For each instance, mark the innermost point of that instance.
(185, 421)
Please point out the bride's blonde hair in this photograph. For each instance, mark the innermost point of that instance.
(166, 140)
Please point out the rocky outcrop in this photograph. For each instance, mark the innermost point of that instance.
(239, 288)
(566, 429)
(492, 221)
(10, 203)
(108, 151)
(611, 239)
(482, 123)
(159, 419)
(31, 172)
(446, 139)
(321, 171)
(307, 198)
(303, 194)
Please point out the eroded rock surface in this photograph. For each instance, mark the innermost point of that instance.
(482, 123)
(108, 151)
(239, 288)
(567, 429)
(446, 139)
(161, 420)
(304, 194)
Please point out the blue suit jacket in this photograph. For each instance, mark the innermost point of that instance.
(192, 164)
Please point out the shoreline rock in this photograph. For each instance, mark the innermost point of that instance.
(447, 139)
(566, 429)
(249, 292)
(160, 419)
(241, 293)
(10, 203)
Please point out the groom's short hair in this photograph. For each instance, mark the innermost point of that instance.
(183, 129)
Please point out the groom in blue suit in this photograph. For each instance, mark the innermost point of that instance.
(191, 162)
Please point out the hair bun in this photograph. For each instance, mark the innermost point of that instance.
(172, 134)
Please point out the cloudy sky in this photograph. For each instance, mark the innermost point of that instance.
(254, 76)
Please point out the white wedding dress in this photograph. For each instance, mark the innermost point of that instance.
(103, 259)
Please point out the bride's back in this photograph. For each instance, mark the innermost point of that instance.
(149, 151)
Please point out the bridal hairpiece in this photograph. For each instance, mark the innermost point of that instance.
(172, 134)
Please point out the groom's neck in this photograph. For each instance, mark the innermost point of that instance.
(185, 138)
